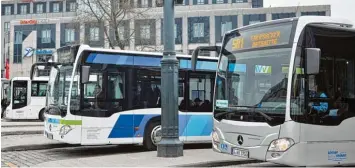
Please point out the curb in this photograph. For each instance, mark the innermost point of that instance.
(219, 163)
(36, 147)
(21, 133)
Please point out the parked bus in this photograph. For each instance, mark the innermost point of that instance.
(27, 98)
(285, 93)
(4, 95)
(27, 95)
(114, 97)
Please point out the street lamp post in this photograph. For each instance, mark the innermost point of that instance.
(170, 145)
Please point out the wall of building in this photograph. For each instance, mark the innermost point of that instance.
(198, 23)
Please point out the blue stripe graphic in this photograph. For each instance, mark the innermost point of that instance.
(189, 125)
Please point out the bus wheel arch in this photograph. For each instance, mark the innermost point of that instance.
(153, 124)
(41, 114)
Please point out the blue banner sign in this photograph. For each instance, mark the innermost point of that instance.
(44, 52)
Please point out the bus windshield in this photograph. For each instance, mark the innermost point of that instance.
(252, 77)
(59, 84)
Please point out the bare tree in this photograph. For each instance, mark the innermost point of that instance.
(114, 17)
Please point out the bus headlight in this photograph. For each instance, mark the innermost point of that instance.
(215, 137)
(281, 145)
(64, 130)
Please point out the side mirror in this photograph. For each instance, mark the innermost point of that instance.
(202, 48)
(313, 60)
(85, 74)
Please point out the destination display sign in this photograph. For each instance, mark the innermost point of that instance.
(66, 55)
(273, 35)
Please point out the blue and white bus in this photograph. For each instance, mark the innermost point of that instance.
(120, 103)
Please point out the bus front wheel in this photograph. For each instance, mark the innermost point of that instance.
(41, 115)
(152, 135)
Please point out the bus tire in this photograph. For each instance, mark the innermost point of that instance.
(41, 115)
(153, 128)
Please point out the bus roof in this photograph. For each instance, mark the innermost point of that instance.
(303, 20)
(87, 48)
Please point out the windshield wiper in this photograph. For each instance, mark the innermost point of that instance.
(252, 107)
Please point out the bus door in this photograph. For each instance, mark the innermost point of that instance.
(20, 98)
(199, 116)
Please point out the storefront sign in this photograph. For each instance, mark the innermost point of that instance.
(44, 52)
(33, 21)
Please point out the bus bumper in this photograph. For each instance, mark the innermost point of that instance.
(255, 152)
(71, 135)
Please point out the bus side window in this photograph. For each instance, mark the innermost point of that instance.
(200, 93)
(34, 91)
(42, 89)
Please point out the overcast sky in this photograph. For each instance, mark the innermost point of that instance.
(339, 8)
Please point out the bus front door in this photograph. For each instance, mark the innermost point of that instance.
(20, 99)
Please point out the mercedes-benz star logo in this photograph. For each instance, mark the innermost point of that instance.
(240, 140)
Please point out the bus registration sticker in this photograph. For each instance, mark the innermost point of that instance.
(240, 152)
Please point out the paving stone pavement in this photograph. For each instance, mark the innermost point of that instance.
(105, 156)
(25, 140)
(35, 157)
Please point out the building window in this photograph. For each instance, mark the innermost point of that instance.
(144, 3)
(69, 35)
(46, 36)
(6, 27)
(145, 32)
(39, 8)
(226, 26)
(18, 37)
(23, 9)
(56, 7)
(121, 32)
(94, 34)
(282, 15)
(317, 13)
(198, 29)
(219, 1)
(257, 3)
(200, 2)
(175, 30)
(253, 18)
(72, 6)
(7, 10)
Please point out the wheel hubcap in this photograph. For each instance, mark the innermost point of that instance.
(155, 136)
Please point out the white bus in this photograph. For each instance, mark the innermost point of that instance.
(4, 94)
(120, 102)
(27, 95)
(27, 98)
(285, 92)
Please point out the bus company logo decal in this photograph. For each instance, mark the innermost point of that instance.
(240, 140)
(334, 155)
(262, 69)
(224, 147)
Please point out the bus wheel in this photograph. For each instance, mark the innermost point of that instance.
(152, 135)
(41, 115)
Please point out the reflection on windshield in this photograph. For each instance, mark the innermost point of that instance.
(255, 79)
(59, 84)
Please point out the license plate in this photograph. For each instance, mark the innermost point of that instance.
(240, 152)
(49, 135)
